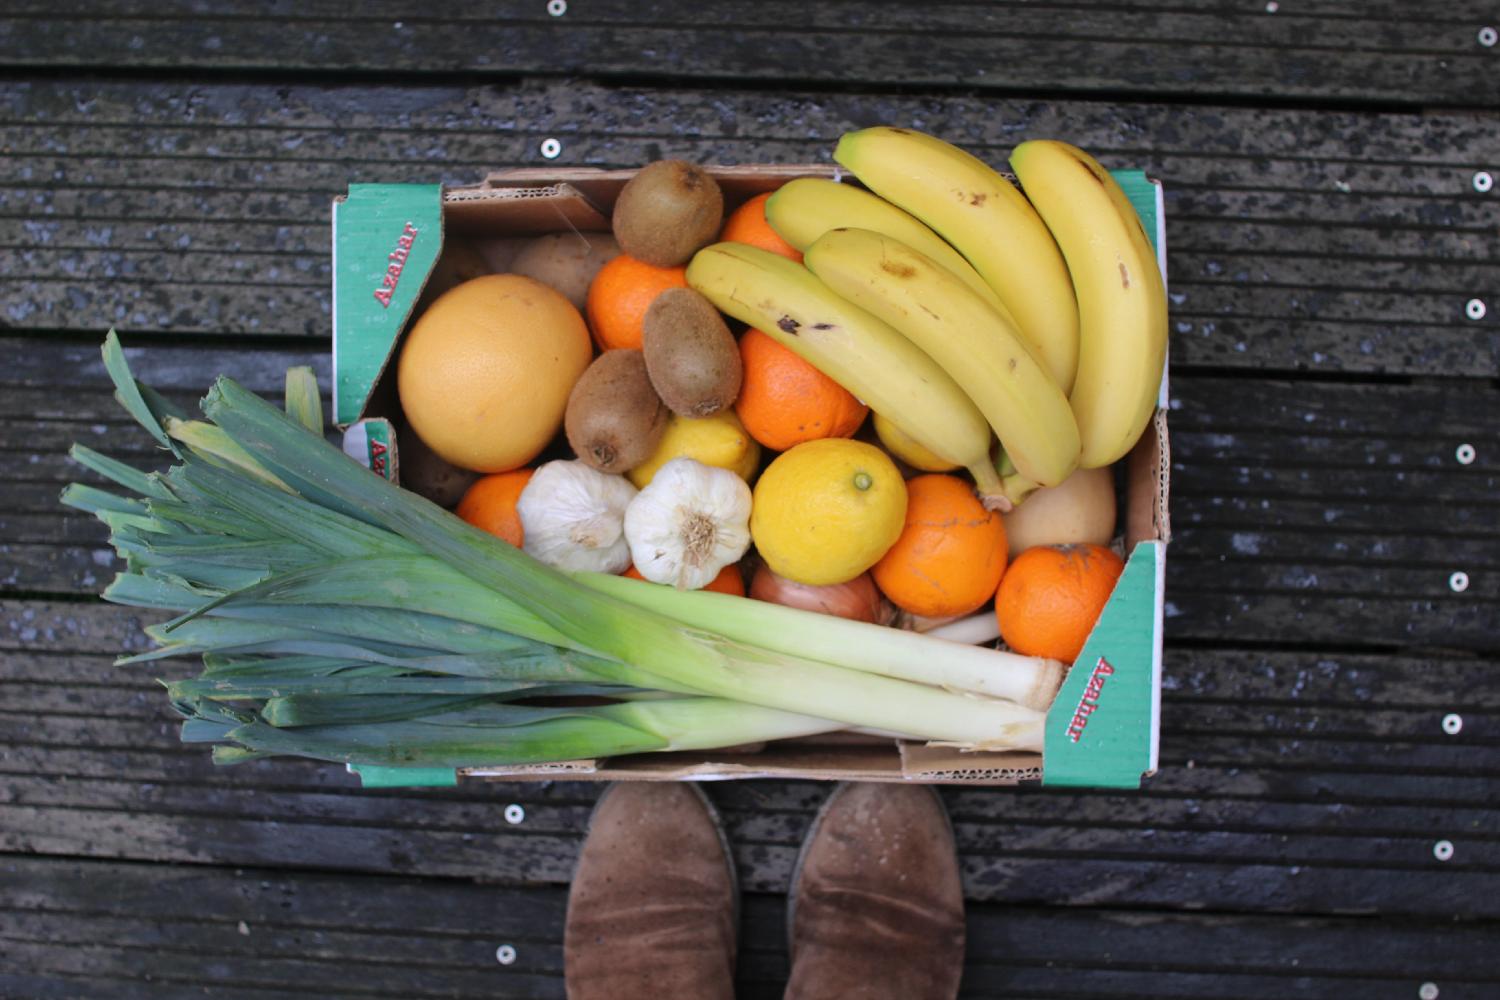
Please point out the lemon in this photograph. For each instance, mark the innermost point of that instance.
(908, 449)
(827, 510)
(719, 440)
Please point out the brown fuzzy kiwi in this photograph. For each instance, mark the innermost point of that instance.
(691, 356)
(614, 418)
(667, 212)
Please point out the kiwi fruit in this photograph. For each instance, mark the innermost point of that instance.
(566, 261)
(691, 356)
(614, 418)
(667, 212)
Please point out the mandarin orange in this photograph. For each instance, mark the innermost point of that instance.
(951, 553)
(619, 296)
(747, 224)
(490, 504)
(1051, 596)
(784, 401)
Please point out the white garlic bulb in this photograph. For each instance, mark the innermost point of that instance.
(573, 516)
(689, 522)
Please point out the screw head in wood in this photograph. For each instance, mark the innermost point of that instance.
(1453, 723)
(557, 8)
(1443, 850)
(551, 148)
(1474, 308)
(1458, 581)
(1488, 37)
(1483, 181)
(1465, 454)
(505, 954)
(1427, 991)
(514, 814)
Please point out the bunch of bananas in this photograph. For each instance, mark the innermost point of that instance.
(959, 308)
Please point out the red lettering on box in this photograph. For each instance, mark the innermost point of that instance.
(1089, 703)
(397, 260)
(377, 456)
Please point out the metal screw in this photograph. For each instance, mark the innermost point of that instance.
(1474, 308)
(551, 148)
(1465, 454)
(1458, 581)
(1272, 7)
(514, 814)
(1483, 181)
(1453, 723)
(505, 954)
(1427, 991)
(1488, 36)
(1443, 850)
(557, 8)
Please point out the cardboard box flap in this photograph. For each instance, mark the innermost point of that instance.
(602, 186)
(386, 239)
(1094, 735)
(532, 210)
(925, 762)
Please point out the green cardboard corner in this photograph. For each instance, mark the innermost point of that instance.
(1101, 731)
(405, 777)
(372, 443)
(386, 239)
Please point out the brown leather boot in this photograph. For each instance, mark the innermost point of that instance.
(653, 912)
(876, 910)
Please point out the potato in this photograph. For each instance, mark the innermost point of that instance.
(1079, 509)
(424, 473)
(566, 261)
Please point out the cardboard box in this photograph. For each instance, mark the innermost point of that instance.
(1103, 729)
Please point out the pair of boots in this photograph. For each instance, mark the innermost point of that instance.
(875, 909)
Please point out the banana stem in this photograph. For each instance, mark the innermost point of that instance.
(992, 491)
(1014, 487)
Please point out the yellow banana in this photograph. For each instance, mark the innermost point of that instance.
(979, 348)
(859, 352)
(1122, 302)
(987, 220)
(803, 209)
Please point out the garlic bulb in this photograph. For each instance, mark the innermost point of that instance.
(572, 517)
(689, 522)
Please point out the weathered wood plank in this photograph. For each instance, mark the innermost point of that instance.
(154, 224)
(448, 930)
(1092, 48)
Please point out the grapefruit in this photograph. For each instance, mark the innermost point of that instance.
(485, 372)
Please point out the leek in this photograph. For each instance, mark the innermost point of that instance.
(343, 618)
(911, 656)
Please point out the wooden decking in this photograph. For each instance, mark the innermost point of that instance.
(167, 169)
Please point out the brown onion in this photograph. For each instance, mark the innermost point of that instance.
(859, 599)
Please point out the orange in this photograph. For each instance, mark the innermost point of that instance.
(951, 553)
(490, 504)
(621, 293)
(747, 224)
(729, 580)
(785, 401)
(1051, 597)
(485, 372)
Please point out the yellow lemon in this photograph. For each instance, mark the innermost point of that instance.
(719, 440)
(827, 510)
(908, 449)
